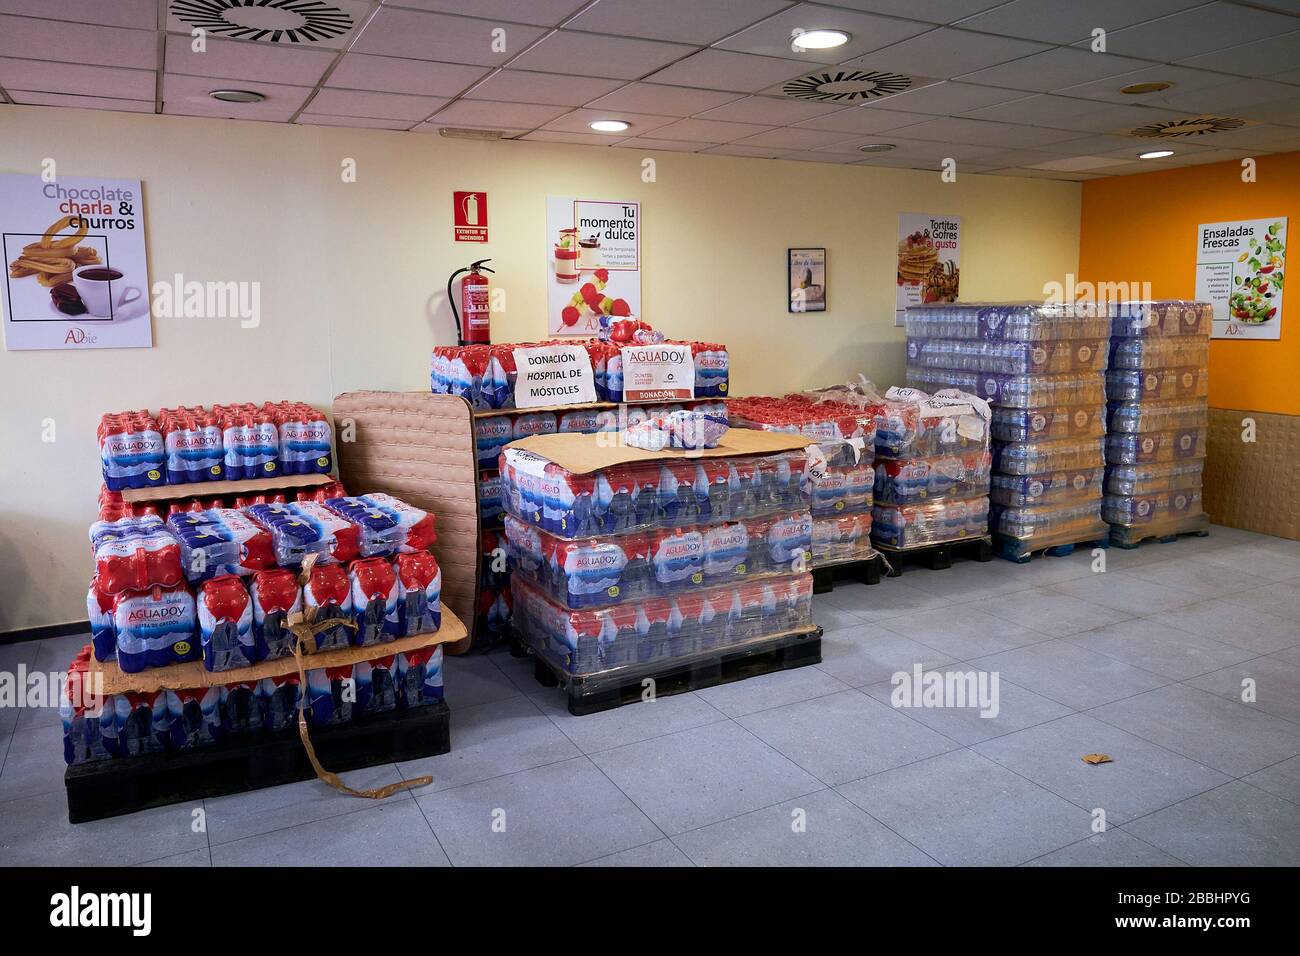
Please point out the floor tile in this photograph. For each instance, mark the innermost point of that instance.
(1052, 612)
(1223, 734)
(627, 724)
(1141, 777)
(1263, 564)
(1290, 654)
(34, 765)
(766, 691)
(200, 858)
(557, 815)
(1236, 624)
(1276, 687)
(820, 829)
(490, 740)
(1122, 591)
(1112, 848)
(869, 653)
(518, 670)
(1069, 674)
(963, 631)
(968, 580)
(1281, 599)
(700, 776)
(892, 597)
(473, 679)
(1281, 779)
(1161, 649)
(964, 810)
(34, 831)
(661, 853)
(832, 617)
(1235, 825)
(1197, 575)
(1017, 708)
(845, 736)
(393, 833)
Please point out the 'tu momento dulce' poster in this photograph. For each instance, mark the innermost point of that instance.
(594, 269)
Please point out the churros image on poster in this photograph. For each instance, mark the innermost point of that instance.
(54, 257)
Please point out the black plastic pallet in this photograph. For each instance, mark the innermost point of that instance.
(591, 696)
(1013, 549)
(112, 787)
(866, 572)
(1130, 538)
(936, 557)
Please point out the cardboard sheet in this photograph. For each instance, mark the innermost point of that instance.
(583, 454)
(194, 674)
(218, 489)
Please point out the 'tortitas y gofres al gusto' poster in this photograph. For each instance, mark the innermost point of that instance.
(76, 276)
(594, 267)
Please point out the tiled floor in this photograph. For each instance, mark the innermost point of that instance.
(1145, 663)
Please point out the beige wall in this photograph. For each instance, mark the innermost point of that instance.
(353, 278)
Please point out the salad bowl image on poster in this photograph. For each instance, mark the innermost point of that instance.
(1240, 270)
(77, 274)
(594, 268)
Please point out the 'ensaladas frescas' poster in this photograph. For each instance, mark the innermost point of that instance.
(77, 275)
(929, 259)
(593, 263)
(1239, 270)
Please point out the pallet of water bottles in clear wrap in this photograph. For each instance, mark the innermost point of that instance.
(1043, 369)
(1157, 419)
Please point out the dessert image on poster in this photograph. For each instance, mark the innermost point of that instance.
(929, 259)
(594, 268)
(1240, 270)
(807, 280)
(76, 271)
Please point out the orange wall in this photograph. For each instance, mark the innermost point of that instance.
(1143, 229)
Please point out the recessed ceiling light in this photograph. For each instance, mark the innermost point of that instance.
(608, 126)
(819, 39)
(237, 96)
(1156, 154)
(876, 147)
(1136, 89)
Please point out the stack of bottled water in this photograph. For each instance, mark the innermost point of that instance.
(1157, 418)
(1043, 368)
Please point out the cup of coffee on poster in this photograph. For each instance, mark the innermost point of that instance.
(595, 251)
(103, 290)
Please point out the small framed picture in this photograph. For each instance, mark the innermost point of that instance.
(807, 280)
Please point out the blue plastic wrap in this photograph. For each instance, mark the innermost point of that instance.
(1146, 479)
(1034, 458)
(1045, 424)
(1048, 357)
(1017, 391)
(1163, 317)
(1070, 487)
(1157, 416)
(1176, 445)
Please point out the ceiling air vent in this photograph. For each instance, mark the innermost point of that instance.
(1191, 126)
(847, 86)
(267, 21)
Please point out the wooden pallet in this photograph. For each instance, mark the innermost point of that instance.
(1021, 552)
(865, 571)
(1129, 537)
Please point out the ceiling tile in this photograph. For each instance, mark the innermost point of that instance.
(1063, 112)
(388, 74)
(78, 43)
(1027, 173)
(808, 156)
(547, 89)
(559, 136)
(71, 78)
(667, 145)
(1216, 155)
(1184, 80)
(434, 126)
(588, 54)
(1269, 56)
(375, 105)
(866, 32)
(710, 131)
(750, 152)
(498, 115)
(931, 11)
(1228, 98)
(1075, 164)
(329, 26)
(1274, 138)
(957, 129)
(685, 21)
(436, 36)
(724, 70)
(768, 111)
(544, 13)
(1096, 144)
(1020, 157)
(28, 98)
(791, 138)
(135, 14)
(356, 122)
(946, 98)
(864, 119)
(1065, 21)
(916, 149)
(948, 52)
(1193, 32)
(271, 63)
(1054, 69)
(663, 100)
(188, 95)
(578, 121)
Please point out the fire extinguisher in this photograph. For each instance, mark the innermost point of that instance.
(475, 329)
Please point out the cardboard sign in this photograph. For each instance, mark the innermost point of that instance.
(553, 375)
(470, 211)
(658, 373)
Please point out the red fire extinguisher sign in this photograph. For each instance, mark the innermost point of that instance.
(470, 215)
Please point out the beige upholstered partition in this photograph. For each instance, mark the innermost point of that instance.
(419, 447)
(1252, 471)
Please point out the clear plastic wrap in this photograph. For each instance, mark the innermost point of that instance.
(1045, 424)
(1136, 417)
(612, 641)
(623, 568)
(1006, 321)
(913, 480)
(935, 522)
(1157, 384)
(1049, 525)
(1016, 391)
(1036, 458)
(913, 424)
(1163, 507)
(842, 488)
(1146, 479)
(1170, 352)
(642, 496)
(841, 539)
(1164, 317)
(1056, 488)
(1176, 445)
(1047, 357)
